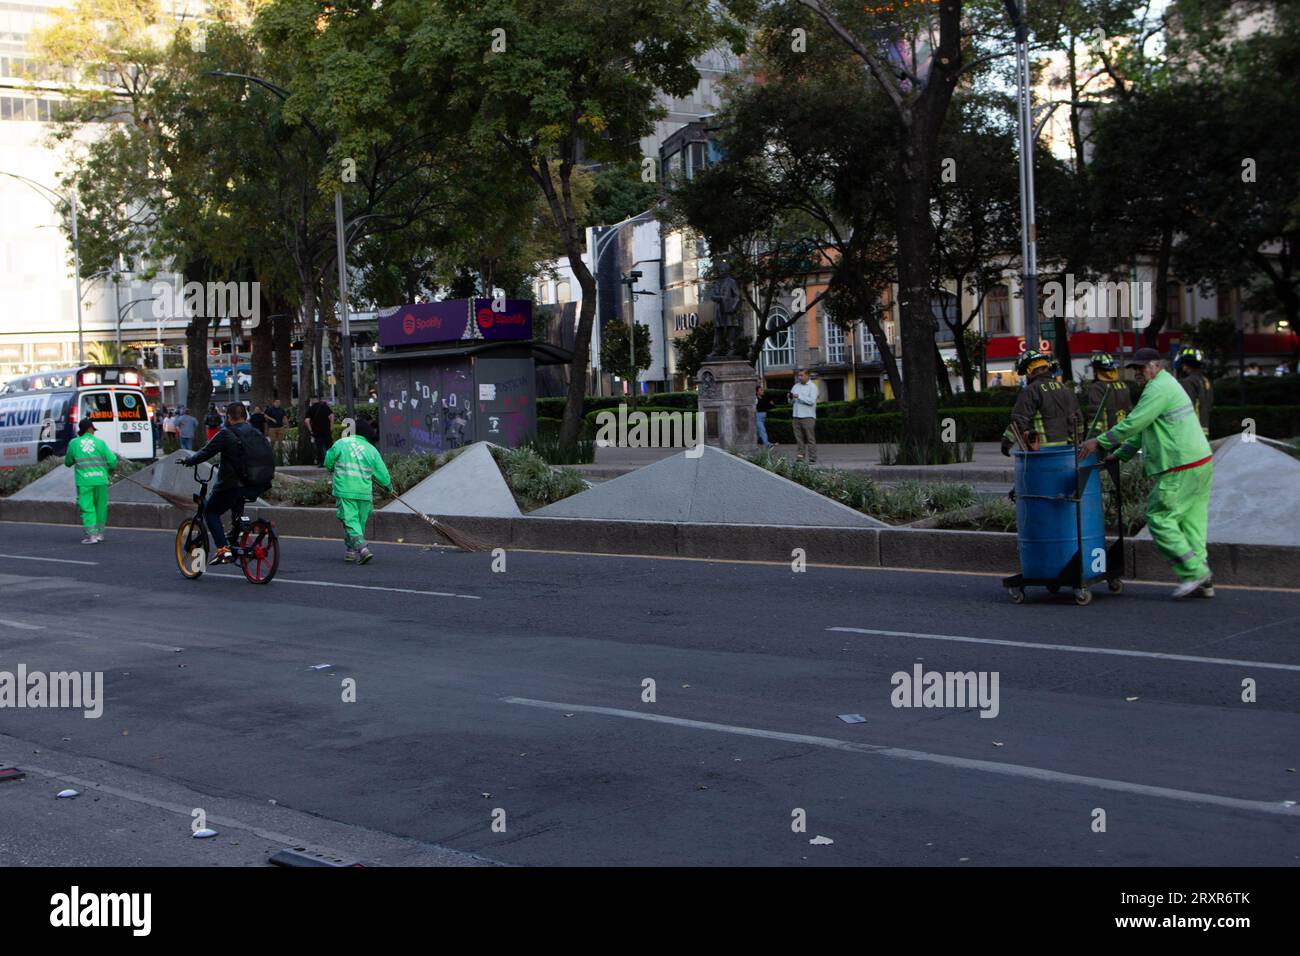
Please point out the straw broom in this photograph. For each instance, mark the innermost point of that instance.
(176, 501)
(466, 542)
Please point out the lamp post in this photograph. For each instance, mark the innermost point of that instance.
(121, 313)
(71, 200)
(341, 246)
(1028, 231)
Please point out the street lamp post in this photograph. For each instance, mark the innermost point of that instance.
(71, 200)
(121, 313)
(344, 327)
(1028, 232)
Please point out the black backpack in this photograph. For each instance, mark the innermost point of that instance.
(256, 462)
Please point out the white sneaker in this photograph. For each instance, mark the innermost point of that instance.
(90, 539)
(1188, 587)
(99, 538)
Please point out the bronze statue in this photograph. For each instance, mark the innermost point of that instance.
(724, 292)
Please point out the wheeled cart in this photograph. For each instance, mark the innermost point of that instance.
(1061, 525)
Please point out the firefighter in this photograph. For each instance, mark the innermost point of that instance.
(1108, 398)
(1046, 412)
(354, 463)
(1163, 425)
(1189, 364)
(93, 460)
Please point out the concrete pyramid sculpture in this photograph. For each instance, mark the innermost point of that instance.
(1256, 495)
(470, 485)
(165, 474)
(59, 485)
(714, 487)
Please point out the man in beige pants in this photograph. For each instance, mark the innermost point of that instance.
(804, 417)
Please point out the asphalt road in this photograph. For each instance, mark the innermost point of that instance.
(516, 696)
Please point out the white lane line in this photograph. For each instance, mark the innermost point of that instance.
(1073, 648)
(921, 756)
(359, 587)
(21, 626)
(29, 557)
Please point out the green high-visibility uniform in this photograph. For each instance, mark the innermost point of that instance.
(354, 462)
(93, 460)
(1164, 425)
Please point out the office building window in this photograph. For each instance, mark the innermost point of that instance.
(836, 343)
(997, 310)
(868, 350)
(778, 349)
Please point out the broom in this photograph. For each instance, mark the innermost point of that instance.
(176, 501)
(466, 542)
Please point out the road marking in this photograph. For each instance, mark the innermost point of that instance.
(359, 587)
(21, 626)
(29, 557)
(921, 756)
(1074, 648)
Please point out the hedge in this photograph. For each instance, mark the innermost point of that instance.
(1271, 421)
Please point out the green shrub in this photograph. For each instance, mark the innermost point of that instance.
(532, 481)
(15, 479)
(1260, 389)
(553, 453)
(1271, 421)
(410, 469)
(299, 493)
(997, 514)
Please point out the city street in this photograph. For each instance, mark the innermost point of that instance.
(522, 691)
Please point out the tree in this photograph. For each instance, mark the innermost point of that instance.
(615, 353)
(620, 192)
(919, 90)
(549, 83)
(693, 348)
(977, 215)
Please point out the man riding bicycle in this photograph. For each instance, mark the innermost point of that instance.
(243, 475)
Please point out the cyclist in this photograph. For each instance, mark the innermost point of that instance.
(246, 471)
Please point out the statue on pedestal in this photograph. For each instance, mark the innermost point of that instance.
(725, 293)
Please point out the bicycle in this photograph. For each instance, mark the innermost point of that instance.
(253, 543)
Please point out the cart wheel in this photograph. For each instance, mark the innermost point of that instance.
(1053, 589)
(1017, 595)
(1082, 596)
(1116, 586)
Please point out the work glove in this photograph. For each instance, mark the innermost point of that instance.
(1006, 447)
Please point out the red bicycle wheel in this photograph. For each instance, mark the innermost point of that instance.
(261, 553)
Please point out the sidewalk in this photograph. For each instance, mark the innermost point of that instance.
(987, 467)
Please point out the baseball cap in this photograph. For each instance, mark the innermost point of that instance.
(86, 425)
(1142, 356)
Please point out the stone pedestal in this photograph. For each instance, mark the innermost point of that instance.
(726, 398)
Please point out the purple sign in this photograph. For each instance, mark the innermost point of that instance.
(425, 322)
(514, 323)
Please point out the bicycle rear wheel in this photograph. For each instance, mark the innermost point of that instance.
(192, 537)
(260, 552)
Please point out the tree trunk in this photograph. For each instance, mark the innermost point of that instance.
(917, 402)
(282, 345)
(262, 361)
(1151, 334)
(307, 370)
(199, 390)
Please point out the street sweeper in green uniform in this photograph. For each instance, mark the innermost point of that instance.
(1165, 427)
(93, 461)
(355, 463)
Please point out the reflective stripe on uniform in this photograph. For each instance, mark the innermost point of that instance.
(1174, 414)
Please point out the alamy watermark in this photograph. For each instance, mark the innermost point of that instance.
(955, 689)
(1098, 300)
(624, 429)
(212, 300)
(78, 690)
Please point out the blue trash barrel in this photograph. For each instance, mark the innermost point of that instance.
(1048, 536)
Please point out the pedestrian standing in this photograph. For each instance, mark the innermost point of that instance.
(275, 423)
(169, 425)
(762, 407)
(1165, 428)
(804, 417)
(258, 419)
(320, 419)
(93, 460)
(355, 463)
(186, 427)
(213, 421)
(1189, 366)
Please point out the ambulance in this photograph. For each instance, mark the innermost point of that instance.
(39, 413)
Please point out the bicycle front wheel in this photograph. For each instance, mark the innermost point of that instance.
(260, 557)
(192, 548)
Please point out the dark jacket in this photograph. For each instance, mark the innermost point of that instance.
(1046, 406)
(1114, 398)
(225, 443)
(1198, 388)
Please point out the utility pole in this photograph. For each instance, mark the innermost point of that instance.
(1028, 227)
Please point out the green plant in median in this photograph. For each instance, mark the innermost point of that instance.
(532, 481)
(15, 479)
(553, 453)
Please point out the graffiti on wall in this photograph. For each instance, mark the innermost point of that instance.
(425, 407)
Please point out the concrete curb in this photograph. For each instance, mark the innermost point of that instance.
(988, 552)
